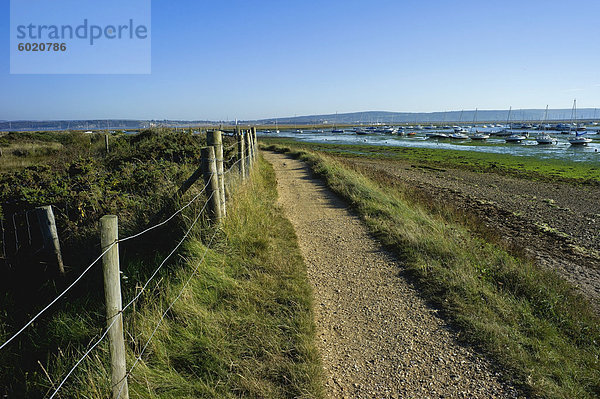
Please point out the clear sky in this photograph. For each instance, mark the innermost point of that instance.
(256, 59)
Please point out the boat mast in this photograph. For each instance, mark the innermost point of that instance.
(573, 117)
(545, 119)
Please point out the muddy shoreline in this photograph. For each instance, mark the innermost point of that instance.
(554, 223)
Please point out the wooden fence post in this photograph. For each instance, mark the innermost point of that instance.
(49, 233)
(254, 141)
(109, 233)
(215, 139)
(248, 153)
(209, 170)
(251, 139)
(241, 152)
(106, 142)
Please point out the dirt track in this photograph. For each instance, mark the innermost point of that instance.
(377, 337)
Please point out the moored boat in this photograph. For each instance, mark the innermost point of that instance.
(480, 136)
(543, 137)
(579, 138)
(515, 138)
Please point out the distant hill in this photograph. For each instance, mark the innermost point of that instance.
(367, 117)
(435, 117)
(96, 124)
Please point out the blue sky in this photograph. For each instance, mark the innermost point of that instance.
(256, 59)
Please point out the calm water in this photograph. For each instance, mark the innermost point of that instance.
(561, 150)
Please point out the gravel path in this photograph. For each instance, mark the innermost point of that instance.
(377, 337)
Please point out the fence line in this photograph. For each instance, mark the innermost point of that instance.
(128, 304)
(229, 147)
(247, 157)
(92, 264)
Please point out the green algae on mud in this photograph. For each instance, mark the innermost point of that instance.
(526, 167)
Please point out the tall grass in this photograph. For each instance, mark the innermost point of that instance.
(20, 155)
(526, 318)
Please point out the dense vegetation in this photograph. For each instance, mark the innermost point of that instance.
(72, 172)
(528, 319)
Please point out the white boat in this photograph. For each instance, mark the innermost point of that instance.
(546, 139)
(478, 135)
(543, 137)
(579, 138)
(507, 130)
(459, 136)
(437, 135)
(515, 138)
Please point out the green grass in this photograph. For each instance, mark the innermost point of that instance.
(530, 321)
(20, 155)
(528, 167)
(242, 328)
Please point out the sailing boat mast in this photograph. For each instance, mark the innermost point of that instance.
(573, 116)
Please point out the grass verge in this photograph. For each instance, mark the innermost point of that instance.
(243, 327)
(526, 318)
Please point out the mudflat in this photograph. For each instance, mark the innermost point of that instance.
(555, 223)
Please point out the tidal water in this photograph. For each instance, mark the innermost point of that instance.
(495, 145)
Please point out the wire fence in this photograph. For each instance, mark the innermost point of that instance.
(133, 300)
(212, 199)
